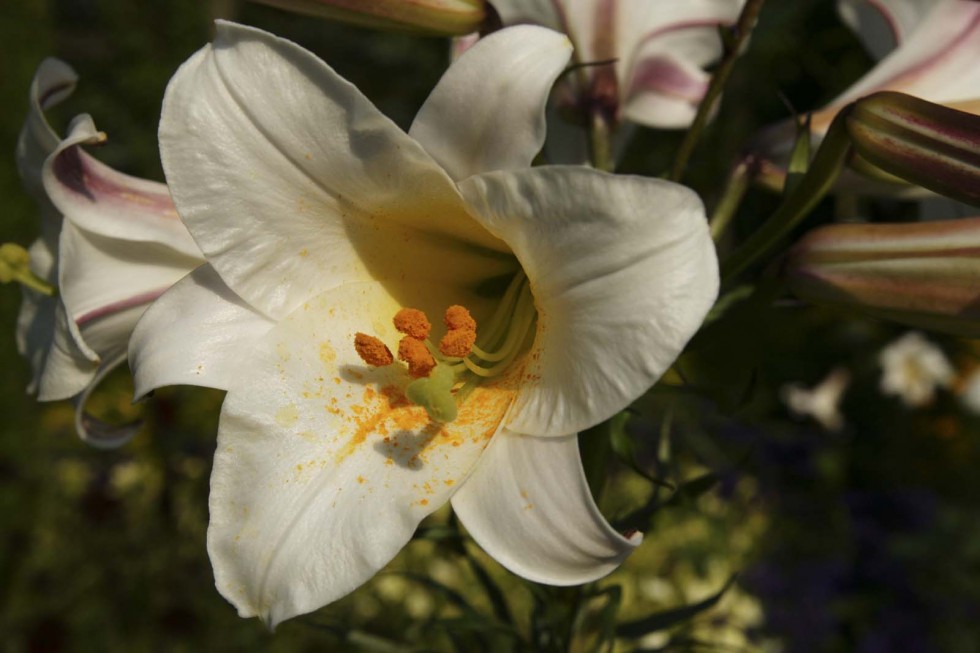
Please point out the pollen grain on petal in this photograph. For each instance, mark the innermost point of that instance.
(372, 351)
(413, 322)
(414, 352)
(458, 317)
(457, 343)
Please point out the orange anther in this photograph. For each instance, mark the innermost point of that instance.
(414, 352)
(372, 351)
(458, 317)
(413, 322)
(457, 342)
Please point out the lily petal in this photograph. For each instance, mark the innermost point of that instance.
(528, 505)
(268, 151)
(665, 91)
(546, 13)
(105, 285)
(102, 278)
(883, 25)
(623, 271)
(686, 29)
(103, 201)
(94, 431)
(67, 368)
(53, 81)
(194, 334)
(937, 62)
(35, 320)
(487, 112)
(323, 469)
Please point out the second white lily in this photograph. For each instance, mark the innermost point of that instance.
(110, 243)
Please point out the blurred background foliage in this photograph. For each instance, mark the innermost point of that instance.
(866, 539)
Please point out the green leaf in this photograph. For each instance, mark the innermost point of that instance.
(669, 618)
(799, 158)
(623, 447)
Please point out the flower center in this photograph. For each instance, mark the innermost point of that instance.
(447, 374)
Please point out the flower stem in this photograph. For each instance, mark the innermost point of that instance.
(739, 33)
(817, 181)
(600, 133)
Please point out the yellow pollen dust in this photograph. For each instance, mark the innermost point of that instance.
(414, 352)
(372, 351)
(461, 335)
(413, 322)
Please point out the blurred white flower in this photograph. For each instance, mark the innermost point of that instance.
(821, 402)
(654, 52)
(969, 391)
(913, 368)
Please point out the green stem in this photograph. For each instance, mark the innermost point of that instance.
(600, 137)
(741, 31)
(817, 181)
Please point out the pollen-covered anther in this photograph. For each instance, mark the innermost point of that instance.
(372, 351)
(414, 352)
(457, 343)
(458, 317)
(461, 336)
(413, 322)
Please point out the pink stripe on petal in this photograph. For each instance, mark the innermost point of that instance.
(664, 75)
(121, 305)
(969, 29)
(87, 177)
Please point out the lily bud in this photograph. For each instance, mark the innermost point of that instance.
(926, 274)
(927, 144)
(432, 17)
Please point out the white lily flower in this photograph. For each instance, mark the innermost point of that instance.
(928, 48)
(321, 220)
(969, 391)
(822, 401)
(660, 48)
(913, 369)
(109, 242)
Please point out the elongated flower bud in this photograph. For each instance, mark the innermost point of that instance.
(925, 274)
(434, 17)
(927, 144)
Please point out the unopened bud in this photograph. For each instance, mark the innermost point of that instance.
(927, 144)
(432, 17)
(926, 274)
